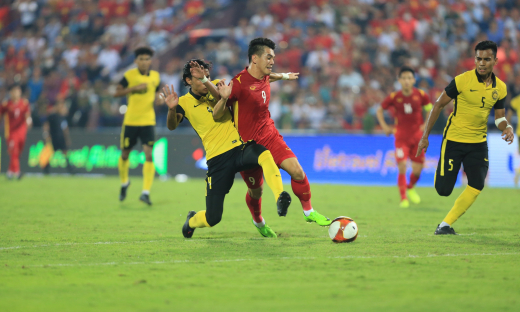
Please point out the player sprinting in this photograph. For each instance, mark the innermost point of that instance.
(17, 118)
(408, 105)
(515, 105)
(226, 153)
(475, 93)
(249, 101)
(140, 85)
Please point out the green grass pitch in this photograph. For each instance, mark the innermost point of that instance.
(67, 244)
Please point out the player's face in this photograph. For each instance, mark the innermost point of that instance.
(484, 62)
(143, 62)
(266, 61)
(198, 87)
(15, 93)
(407, 80)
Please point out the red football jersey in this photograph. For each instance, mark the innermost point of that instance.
(249, 101)
(15, 115)
(407, 110)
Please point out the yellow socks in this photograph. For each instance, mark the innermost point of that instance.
(271, 173)
(148, 175)
(199, 220)
(462, 204)
(123, 166)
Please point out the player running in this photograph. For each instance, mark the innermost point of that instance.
(226, 153)
(407, 105)
(140, 85)
(17, 119)
(475, 92)
(249, 101)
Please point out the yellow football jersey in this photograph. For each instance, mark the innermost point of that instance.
(473, 103)
(515, 104)
(217, 137)
(140, 111)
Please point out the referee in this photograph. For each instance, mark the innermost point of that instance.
(475, 93)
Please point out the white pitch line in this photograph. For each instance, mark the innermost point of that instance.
(281, 258)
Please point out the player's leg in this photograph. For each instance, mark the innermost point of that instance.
(401, 181)
(128, 140)
(14, 157)
(205, 218)
(517, 171)
(253, 155)
(147, 137)
(302, 189)
(417, 167)
(476, 168)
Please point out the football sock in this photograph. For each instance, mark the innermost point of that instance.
(148, 175)
(199, 220)
(308, 212)
(465, 200)
(255, 207)
(271, 173)
(443, 224)
(14, 163)
(413, 180)
(302, 190)
(401, 182)
(259, 224)
(123, 166)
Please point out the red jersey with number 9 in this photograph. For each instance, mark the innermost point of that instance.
(249, 102)
(408, 110)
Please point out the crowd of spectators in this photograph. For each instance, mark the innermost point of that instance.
(346, 51)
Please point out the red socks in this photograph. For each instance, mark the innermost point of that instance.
(302, 190)
(413, 180)
(255, 206)
(401, 182)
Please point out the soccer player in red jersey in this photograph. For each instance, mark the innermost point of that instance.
(17, 114)
(408, 105)
(249, 102)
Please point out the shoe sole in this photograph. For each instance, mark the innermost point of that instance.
(185, 228)
(283, 203)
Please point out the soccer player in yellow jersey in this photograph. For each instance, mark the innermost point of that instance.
(515, 105)
(226, 153)
(475, 93)
(140, 85)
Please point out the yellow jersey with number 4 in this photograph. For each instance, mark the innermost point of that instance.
(473, 103)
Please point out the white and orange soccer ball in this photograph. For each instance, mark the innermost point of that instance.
(343, 230)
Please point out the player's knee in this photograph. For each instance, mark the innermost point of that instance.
(478, 185)
(213, 219)
(443, 190)
(256, 193)
(125, 154)
(298, 173)
(149, 158)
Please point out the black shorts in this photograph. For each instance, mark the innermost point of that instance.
(58, 143)
(129, 135)
(222, 168)
(474, 157)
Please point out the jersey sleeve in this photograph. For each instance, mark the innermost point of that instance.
(425, 99)
(501, 103)
(180, 110)
(124, 82)
(235, 92)
(451, 90)
(388, 101)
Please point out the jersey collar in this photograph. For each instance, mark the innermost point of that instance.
(197, 97)
(493, 78)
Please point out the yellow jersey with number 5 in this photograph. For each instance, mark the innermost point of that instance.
(473, 103)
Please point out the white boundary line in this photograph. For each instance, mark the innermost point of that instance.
(282, 258)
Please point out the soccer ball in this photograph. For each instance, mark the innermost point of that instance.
(343, 230)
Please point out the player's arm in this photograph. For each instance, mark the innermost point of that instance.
(197, 72)
(123, 89)
(501, 121)
(172, 100)
(28, 118)
(381, 118)
(288, 76)
(159, 100)
(439, 105)
(220, 108)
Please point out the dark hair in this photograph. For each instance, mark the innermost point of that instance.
(256, 46)
(486, 45)
(186, 73)
(143, 51)
(405, 69)
(13, 86)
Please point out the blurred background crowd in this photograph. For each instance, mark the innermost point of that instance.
(346, 51)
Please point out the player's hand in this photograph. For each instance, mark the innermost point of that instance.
(221, 83)
(170, 96)
(423, 145)
(388, 130)
(293, 76)
(196, 70)
(225, 91)
(140, 87)
(508, 136)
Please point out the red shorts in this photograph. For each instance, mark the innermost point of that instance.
(405, 149)
(280, 151)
